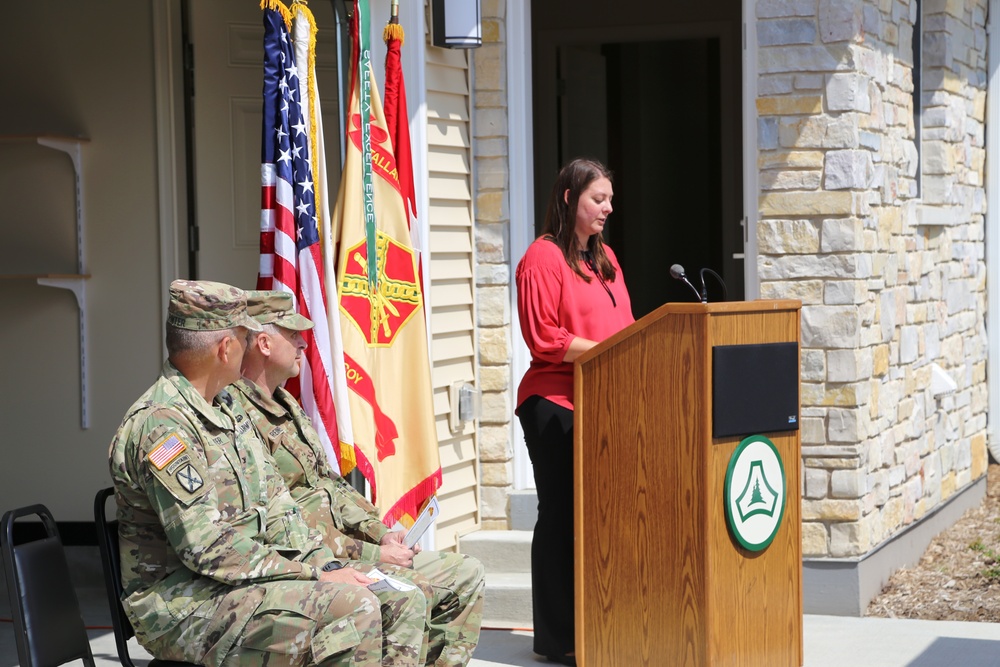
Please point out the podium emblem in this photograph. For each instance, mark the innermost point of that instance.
(755, 493)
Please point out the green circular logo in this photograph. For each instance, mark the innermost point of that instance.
(755, 492)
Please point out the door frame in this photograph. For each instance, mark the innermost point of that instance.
(171, 153)
(992, 242)
(751, 279)
(521, 165)
(521, 170)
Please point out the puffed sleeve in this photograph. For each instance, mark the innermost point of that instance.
(184, 498)
(539, 290)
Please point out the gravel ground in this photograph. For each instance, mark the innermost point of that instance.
(958, 577)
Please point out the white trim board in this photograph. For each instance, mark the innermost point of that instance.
(521, 205)
(993, 228)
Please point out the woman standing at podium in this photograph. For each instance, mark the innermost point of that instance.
(570, 296)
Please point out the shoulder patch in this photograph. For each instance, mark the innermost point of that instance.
(178, 462)
(186, 478)
(189, 478)
(169, 449)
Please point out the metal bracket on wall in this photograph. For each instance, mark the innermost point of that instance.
(75, 283)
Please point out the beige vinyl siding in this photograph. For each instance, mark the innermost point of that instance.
(452, 288)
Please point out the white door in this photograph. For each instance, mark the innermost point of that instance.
(226, 38)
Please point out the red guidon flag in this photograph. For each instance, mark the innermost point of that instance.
(380, 298)
(397, 121)
(396, 118)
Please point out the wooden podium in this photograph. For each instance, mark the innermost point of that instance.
(660, 579)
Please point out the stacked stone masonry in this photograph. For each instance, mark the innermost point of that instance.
(492, 234)
(880, 233)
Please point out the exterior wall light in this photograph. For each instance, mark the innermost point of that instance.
(457, 24)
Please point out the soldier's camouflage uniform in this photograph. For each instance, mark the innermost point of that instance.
(352, 529)
(218, 566)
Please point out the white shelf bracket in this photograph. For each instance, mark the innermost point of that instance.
(77, 286)
(73, 150)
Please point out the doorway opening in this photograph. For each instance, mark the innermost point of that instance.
(665, 114)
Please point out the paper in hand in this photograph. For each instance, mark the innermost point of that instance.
(384, 582)
(423, 522)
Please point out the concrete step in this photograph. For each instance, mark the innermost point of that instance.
(523, 509)
(508, 600)
(506, 555)
(499, 550)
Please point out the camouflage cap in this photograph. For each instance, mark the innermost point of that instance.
(200, 305)
(273, 307)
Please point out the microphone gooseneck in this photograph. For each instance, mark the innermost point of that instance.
(677, 273)
(704, 292)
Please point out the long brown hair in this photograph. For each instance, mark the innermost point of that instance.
(560, 217)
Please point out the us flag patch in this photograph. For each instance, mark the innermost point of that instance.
(166, 451)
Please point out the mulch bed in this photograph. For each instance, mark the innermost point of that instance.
(958, 577)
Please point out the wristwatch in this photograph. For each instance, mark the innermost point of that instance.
(332, 565)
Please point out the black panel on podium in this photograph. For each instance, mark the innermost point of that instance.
(755, 389)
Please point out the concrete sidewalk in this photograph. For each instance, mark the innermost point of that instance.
(830, 641)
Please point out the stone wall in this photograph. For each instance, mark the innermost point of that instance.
(492, 236)
(882, 238)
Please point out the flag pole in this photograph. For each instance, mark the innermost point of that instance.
(392, 29)
(341, 103)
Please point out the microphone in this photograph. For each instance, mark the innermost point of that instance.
(677, 273)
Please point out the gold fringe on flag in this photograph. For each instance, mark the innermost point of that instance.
(278, 6)
(392, 29)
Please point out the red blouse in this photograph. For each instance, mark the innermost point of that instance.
(555, 306)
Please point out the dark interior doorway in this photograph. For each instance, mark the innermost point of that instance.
(665, 115)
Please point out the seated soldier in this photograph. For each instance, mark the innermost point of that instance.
(218, 566)
(333, 506)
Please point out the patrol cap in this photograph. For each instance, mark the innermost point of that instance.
(274, 307)
(200, 305)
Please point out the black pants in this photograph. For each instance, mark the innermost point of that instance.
(548, 433)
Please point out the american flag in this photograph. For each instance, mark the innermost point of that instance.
(290, 254)
(166, 452)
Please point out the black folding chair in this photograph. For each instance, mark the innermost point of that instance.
(107, 540)
(48, 626)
